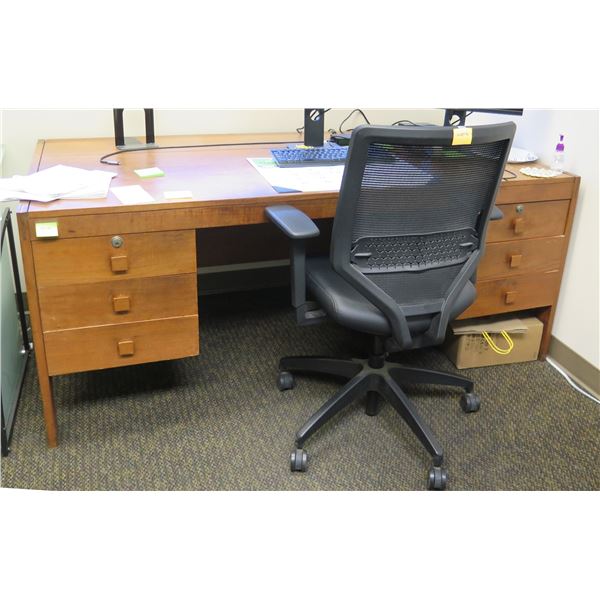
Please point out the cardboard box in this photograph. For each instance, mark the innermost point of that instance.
(466, 347)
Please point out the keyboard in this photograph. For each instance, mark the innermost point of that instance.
(310, 157)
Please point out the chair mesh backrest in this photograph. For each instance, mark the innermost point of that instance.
(417, 214)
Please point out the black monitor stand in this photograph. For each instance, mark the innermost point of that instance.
(452, 113)
(123, 143)
(314, 126)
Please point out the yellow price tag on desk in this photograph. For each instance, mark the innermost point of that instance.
(462, 136)
(46, 230)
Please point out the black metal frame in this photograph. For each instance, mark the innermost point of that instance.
(8, 230)
(122, 142)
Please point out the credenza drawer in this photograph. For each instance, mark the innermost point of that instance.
(514, 293)
(90, 348)
(529, 220)
(106, 258)
(120, 301)
(503, 259)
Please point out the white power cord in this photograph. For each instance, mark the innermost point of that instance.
(571, 382)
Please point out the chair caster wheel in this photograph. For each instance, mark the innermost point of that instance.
(438, 478)
(285, 381)
(298, 460)
(470, 402)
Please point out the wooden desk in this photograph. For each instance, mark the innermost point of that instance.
(118, 286)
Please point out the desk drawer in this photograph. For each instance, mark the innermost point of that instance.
(87, 260)
(502, 259)
(119, 301)
(538, 190)
(91, 348)
(514, 293)
(530, 220)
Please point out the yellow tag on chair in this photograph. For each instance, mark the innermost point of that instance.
(462, 136)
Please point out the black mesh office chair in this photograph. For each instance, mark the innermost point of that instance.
(408, 233)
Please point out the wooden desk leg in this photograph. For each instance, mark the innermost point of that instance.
(49, 410)
(546, 316)
(37, 334)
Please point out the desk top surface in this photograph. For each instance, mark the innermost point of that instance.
(214, 175)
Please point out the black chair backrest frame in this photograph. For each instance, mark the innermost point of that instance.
(412, 216)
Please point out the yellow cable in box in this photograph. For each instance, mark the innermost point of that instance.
(467, 347)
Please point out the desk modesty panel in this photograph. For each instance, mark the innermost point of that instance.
(117, 285)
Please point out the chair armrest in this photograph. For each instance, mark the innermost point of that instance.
(293, 222)
(298, 227)
(497, 214)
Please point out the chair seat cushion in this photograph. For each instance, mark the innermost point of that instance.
(349, 308)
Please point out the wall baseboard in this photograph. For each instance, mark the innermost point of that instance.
(580, 369)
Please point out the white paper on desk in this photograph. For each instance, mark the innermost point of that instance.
(301, 179)
(12, 195)
(96, 187)
(132, 194)
(59, 181)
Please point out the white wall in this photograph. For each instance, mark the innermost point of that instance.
(577, 318)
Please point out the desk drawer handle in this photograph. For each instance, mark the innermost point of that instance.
(119, 264)
(121, 304)
(519, 225)
(515, 260)
(510, 297)
(126, 348)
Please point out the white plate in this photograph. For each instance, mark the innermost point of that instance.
(537, 172)
(518, 155)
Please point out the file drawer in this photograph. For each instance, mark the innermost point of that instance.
(502, 259)
(119, 301)
(529, 220)
(90, 348)
(107, 258)
(514, 293)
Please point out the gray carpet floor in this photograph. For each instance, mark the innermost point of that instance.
(218, 422)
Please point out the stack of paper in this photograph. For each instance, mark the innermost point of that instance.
(60, 181)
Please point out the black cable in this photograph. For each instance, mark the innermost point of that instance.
(504, 178)
(403, 122)
(105, 162)
(355, 110)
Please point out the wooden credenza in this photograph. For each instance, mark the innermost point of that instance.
(117, 285)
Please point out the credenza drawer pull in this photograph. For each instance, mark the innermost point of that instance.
(510, 297)
(515, 260)
(121, 304)
(519, 225)
(126, 348)
(119, 264)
